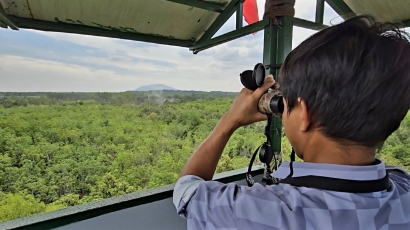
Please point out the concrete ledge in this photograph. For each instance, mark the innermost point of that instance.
(82, 212)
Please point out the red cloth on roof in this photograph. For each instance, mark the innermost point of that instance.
(250, 11)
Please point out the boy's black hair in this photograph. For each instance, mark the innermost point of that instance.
(354, 78)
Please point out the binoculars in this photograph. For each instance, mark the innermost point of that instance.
(271, 102)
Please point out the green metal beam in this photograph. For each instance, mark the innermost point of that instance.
(308, 24)
(6, 21)
(2, 24)
(277, 45)
(88, 30)
(201, 4)
(230, 36)
(239, 16)
(320, 11)
(220, 21)
(341, 8)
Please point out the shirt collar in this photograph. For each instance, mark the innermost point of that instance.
(347, 172)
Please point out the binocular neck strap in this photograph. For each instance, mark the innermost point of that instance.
(339, 185)
(292, 159)
(249, 179)
(335, 184)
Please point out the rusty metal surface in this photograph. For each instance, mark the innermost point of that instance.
(383, 10)
(155, 17)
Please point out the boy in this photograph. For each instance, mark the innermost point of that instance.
(345, 90)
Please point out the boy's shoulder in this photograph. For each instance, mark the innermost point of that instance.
(391, 169)
(400, 177)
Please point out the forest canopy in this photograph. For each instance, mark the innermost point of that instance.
(64, 149)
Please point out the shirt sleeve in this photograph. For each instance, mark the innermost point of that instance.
(184, 189)
(206, 204)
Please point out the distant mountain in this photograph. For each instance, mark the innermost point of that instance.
(154, 87)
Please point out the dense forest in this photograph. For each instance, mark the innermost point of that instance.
(64, 149)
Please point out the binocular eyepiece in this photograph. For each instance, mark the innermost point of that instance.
(271, 102)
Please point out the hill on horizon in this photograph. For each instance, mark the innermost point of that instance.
(155, 87)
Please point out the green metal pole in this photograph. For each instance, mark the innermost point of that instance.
(285, 35)
(239, 16)
(277, 45)
(320, 11)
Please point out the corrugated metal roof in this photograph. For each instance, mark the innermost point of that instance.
(187, 23)
(162, 18)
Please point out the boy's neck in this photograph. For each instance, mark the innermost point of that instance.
(320, 149)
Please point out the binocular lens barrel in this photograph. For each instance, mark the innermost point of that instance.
(276, 104)
(271, 103)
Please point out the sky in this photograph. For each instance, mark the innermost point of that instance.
(37, 61)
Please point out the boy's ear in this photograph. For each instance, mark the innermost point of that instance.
(304, 116)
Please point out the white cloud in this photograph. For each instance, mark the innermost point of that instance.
(126, 65)
(22, 74)
(28, 74)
